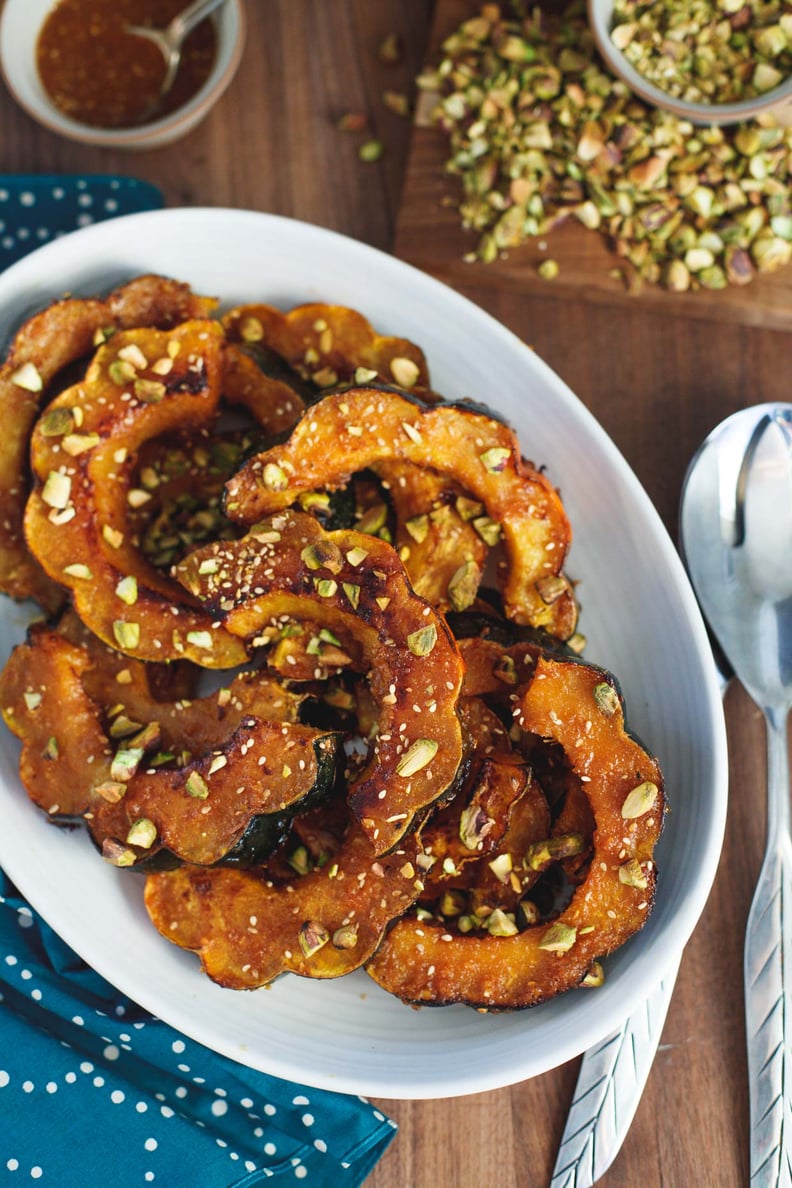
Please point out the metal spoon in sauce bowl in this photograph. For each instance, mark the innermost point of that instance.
(170, 40)
(736, 530)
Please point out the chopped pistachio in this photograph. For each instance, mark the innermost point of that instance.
(352, 121)
(127, 590)
(632, 874)
(123, 726)
(474, 825)
(422, 641)
(200, 639)
(127, 635)
(32, 700)
(606, 698)
(463, 585)
(323, 555)
(371, 151)
(501, 866)
(500, 923)
(352, 592)
(346, 937)
(418, 756)
(57, 490)
(640, 800)
(143, 833)
(548, 269)
(488, 529)
(558, 938)
(325, 587)
(251, 329)
(404, 371)
(390, 49)
(196, 786)
(595, 976)
(78, 571)
(494, 460)
(418, 527)
(373, 519)
(467, 509)
(397, 102)
(112, 536)
(150, 391)
(356, 555)
(56, 422)
(79, 443)
(125, 763)
(121, 373)
(27, 376)
(364, 375)
(111, 790)
(550, 589)
(117, 854)
(540, 855)
(312, 937)
(274, 478)
(51, 749)
(300, 860)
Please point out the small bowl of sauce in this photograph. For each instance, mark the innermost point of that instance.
(73, 66)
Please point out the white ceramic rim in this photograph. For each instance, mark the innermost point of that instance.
(200, 1006)
(697, 113)
(23, 82)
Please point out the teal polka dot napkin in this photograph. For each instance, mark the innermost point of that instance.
(37, 208)
(94, 1091)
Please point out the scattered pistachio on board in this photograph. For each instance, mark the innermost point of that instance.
(540, 132)
(706, 51)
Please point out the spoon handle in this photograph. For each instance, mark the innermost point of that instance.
(768, 979)
(192, 15)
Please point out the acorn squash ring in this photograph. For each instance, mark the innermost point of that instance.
(577, 706)
(289, 567)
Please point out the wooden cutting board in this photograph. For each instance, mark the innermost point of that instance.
(429, 235)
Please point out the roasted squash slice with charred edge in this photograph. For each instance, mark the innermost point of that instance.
(577, 706)
(349, 431)
(243, 772)
(247, 929)
(62, 334)
(141, 384)
(289, 567)
(328, 343)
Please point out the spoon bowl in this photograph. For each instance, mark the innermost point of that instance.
(170, 40)
(736, 534)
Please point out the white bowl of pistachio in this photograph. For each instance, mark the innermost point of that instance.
(708, 61)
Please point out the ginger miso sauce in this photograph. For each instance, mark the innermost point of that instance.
(96, 73)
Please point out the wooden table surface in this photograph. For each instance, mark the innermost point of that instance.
(657, 380)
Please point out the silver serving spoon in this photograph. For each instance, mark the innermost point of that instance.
(736, 533)
(170, 40)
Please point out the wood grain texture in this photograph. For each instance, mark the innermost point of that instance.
(429, 235)
(658, 374)
(656, 378)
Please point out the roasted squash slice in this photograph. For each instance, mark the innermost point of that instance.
(273, 404)
(349, 431)
(213, 780)
(440, 535)
(328, 343)
(576, 706)
(289, 568)
(47, 343)
(142, 383)
(247, 929)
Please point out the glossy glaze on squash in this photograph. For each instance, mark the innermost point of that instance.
(247, 929)
(58, 336)
(574, 705)
(355, 586)
(328, 343)
(351, 430)
(198, 779)
(141, 384)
